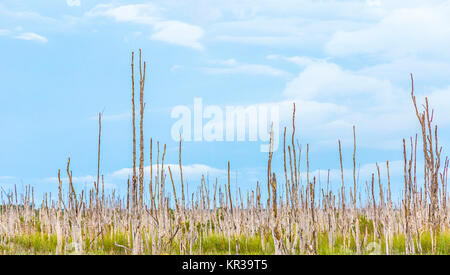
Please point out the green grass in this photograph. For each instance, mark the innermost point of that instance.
(116, 242)
(216, 244)
(34, 243)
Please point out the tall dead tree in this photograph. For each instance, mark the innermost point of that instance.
(141, 128)
(133, 180)
(181, 177)
(98, 158)
(432, 157)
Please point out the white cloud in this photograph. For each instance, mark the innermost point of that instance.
(117, 180)
(426, 71)
(76, 179)
(4, 32)
(113, 117)
(191, 172)
(281, 32)
(373, 3)
(407, 31)
(25, 15)
(260, 40)
(176, 67)
(242, 9)
(376, 99)
(73, 3)
(82, 181)
(365, 172)
(298, 60)
(328, 81)
(140, 13)
(231, 66)
(439, 100)
(330, 100)
(169, 31)
(18, 34)
(178, 33)
(30, 36)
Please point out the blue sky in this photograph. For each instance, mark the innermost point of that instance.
(344, 63)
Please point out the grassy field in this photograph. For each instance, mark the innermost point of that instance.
(304, 219)
(117, 243)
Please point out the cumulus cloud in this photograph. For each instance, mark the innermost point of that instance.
(18, 33)
(232, 66)
(241, 9)
(4, 32)
(178, 33)
(422, 30)
(25, 15)
(373, 3)
(176, 67)
(193, 171)
(435, 72)
(169, 31)
(118, 178)
(298, 60)
(281, 32)
(439, 100)
(330, 100)
(140, 13)
(30, 36)
(86, 179)
(73, 3)
(328, 81)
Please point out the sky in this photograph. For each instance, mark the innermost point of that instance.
(344, 64)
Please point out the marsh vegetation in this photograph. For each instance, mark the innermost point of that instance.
(304, 219)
